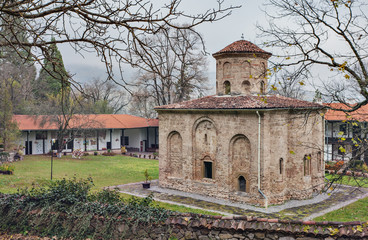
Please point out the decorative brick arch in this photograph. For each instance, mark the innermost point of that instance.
(227, 70)
(175, 154)
(246, 69)
(204, 145)
(240, 162)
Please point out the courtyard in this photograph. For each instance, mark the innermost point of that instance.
(126, 174)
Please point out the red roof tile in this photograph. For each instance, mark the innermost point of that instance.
(101, 121)
(241, 46)
(335, 115)
(242, 102)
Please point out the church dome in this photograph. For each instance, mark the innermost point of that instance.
(241, 46)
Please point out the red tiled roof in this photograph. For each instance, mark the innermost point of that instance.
(101, 121)
(242, 46)
(242, 102)
(335, 115)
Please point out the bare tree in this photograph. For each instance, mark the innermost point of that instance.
(102, 97)
(288, 84)
(62, 111)
(107, 27)
(174, 68)
(142, 104)
(314, 28)
(329, 38)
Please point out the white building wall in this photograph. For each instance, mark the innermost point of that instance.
(116, 133)
(135, 138)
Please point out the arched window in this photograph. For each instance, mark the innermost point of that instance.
(319, 161)
(262, 87)
(246, 85)
(227, 87)
(242, 184)
(264, 70)
(307, 161)
(207, 169)
(281, 163)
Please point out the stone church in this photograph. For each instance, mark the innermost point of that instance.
(241, 144)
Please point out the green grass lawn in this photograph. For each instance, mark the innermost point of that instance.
(104, 170)
(349, 180)
(357, 211)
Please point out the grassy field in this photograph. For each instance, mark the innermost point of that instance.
(349, 180)
(104, 170)
(357, 211)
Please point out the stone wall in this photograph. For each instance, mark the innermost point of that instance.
(192, 226)
(244, 72)
(291, 145)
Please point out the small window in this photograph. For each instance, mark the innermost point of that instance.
(343, 129)
(41, 135)
(281, 165)
(208, 169)
(126, 140)
(205, 138)
(227, 87)
(242, 184)
(319, 161)
(246, 85)
(262, 87)
(307, 161)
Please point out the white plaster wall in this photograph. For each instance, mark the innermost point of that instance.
(135, 136)
(102, 141)
(116, 133)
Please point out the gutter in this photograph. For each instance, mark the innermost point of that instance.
(235, 109)
(259, 160)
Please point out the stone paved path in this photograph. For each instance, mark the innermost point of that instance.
(292, 210)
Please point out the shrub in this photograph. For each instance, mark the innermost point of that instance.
(106, 196)
(66, 209)
(356, 164)
(108, 153)
(7, 168)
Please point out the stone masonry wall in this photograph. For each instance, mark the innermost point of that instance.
(192, 226)
(244, 72)
(229, 141)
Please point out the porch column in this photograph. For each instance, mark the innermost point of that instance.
(156, 137)
(122, 142)
(97, 140)
(147, 142)
(85, 144)
(110, 139)
(332, 142)
(27, 147)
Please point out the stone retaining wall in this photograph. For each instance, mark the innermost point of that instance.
(193, 226)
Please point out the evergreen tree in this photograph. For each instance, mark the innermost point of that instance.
(53, 76)
(17, 70)
(8, 128)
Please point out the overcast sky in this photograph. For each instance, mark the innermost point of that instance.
(217, 35)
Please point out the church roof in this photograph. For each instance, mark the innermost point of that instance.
(241, 46)
(243, 102)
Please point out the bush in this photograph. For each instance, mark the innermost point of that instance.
(64, 208)
(60, 192)
(7, 168)
(106, 196)
(356, 164)
(109, 153)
